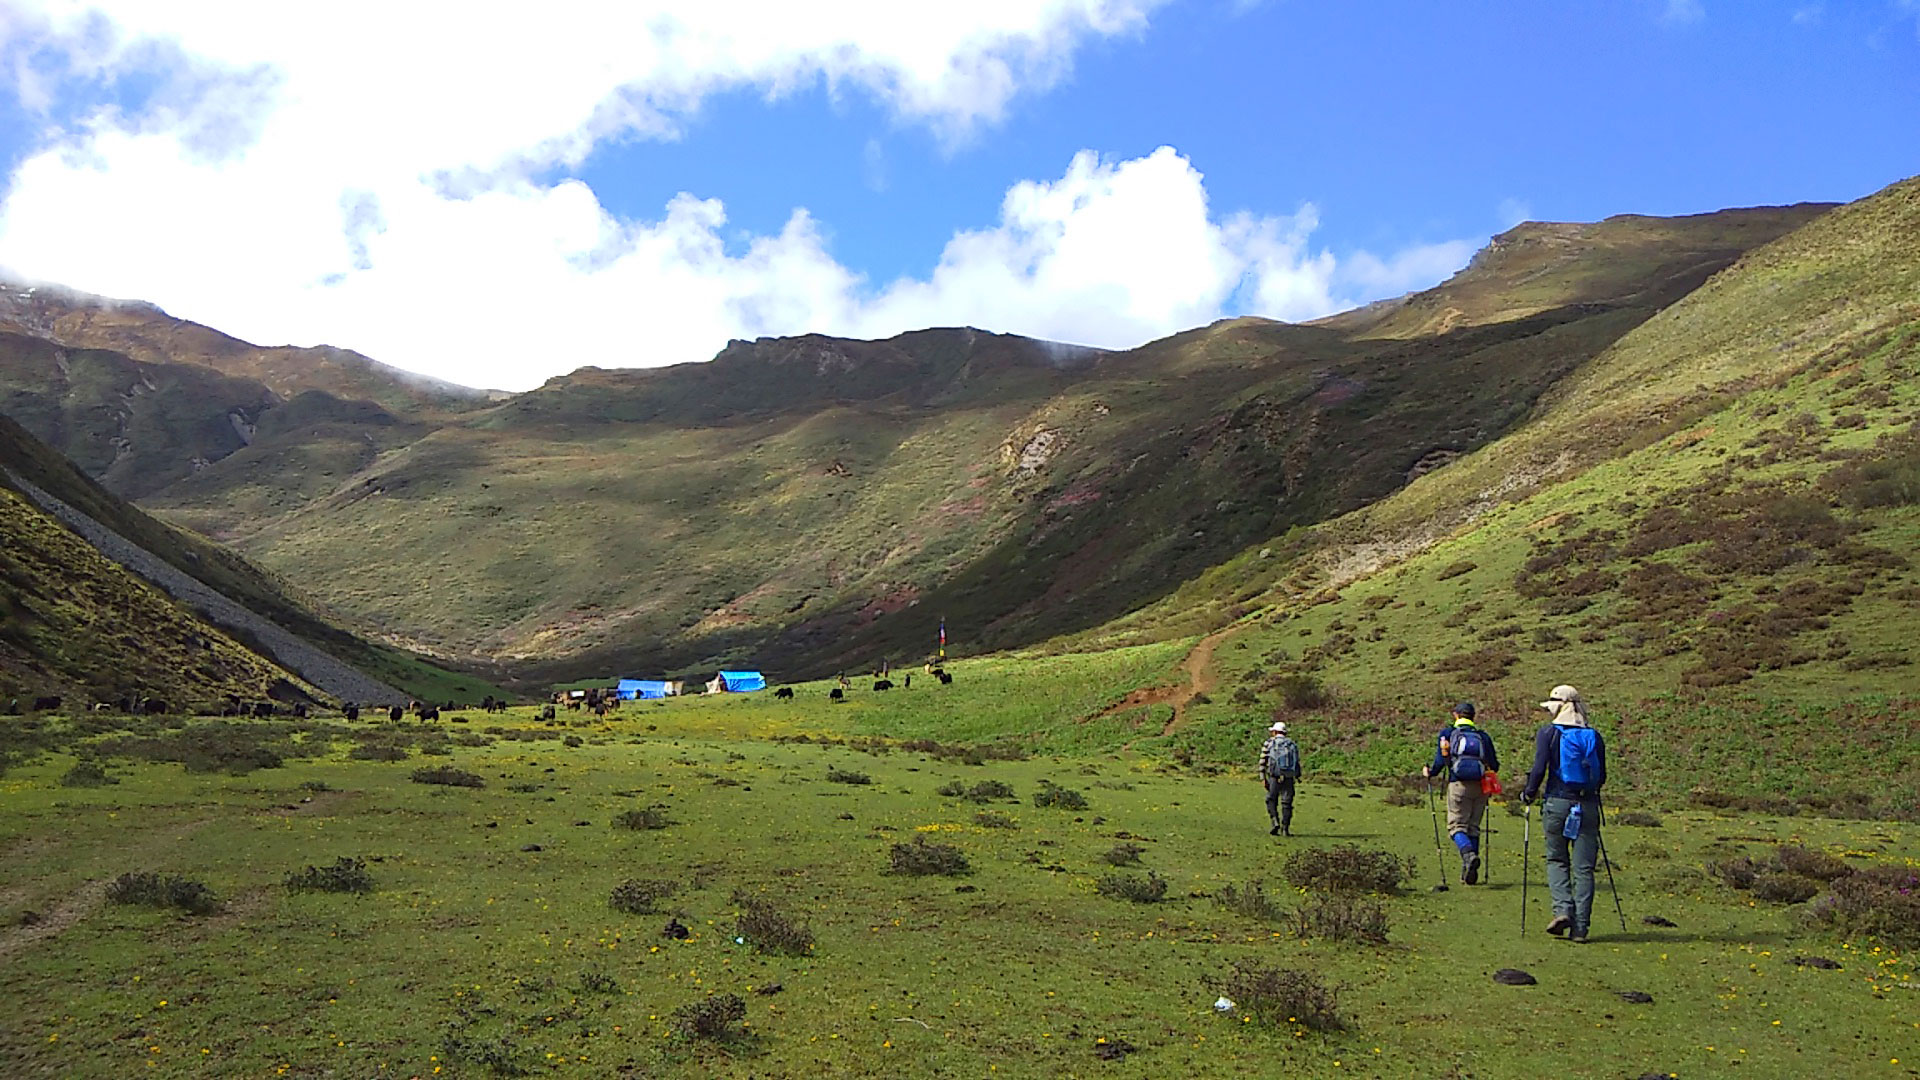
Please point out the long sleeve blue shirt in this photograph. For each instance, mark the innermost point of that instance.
(1546, 766)
(1491, 758)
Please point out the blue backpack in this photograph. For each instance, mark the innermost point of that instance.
(1579, 757)
(1466, 748)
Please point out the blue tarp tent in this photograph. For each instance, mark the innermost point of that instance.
(736, 682)
(644, 689)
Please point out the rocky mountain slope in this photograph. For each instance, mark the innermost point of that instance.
(102, 602)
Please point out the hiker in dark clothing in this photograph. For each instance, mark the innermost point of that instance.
(1569, 768)
(1279, 768)
(1465, 755)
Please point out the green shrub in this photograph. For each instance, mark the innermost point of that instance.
(449, 776)
(148, 889)
(1280, 996)
(1058, 798)
(994, 819)
(641, 896)
(86, 774)
(715, 1017)
(844, 776)
(1806, 862)
(595, 981)
(1782, 888)
(1250, 900)
(646, 817)
(1638, 818)
(1301, 690)
(1124, 854)
(1880, 903)
(767, 930)
(1346, 868)
(920, 857)
(378, 752)
(1140, 890)
(346, 875)
(1341, 917)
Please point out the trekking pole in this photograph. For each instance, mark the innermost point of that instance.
(1526, 844)
(1486, 842)
(1439, 858)
(1601, 835)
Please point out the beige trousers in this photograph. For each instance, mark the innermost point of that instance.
(1465, 807)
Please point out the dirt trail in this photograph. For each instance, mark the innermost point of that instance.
(1200, 679)
(75, 907)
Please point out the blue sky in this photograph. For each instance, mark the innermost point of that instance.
(499, 201)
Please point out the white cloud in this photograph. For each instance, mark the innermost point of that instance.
(1683, 12)
(367, 177)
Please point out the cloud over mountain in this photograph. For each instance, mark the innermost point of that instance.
(397, 180)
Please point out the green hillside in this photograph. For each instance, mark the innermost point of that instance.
(74, 624)
(1723, 507)
(220, 569)
(809, 504)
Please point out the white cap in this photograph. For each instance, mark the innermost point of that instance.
(1279, 727)
(1559, 696)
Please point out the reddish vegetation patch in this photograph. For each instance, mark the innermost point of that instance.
(898, 599)
(1078, 495)
(973, 507)
(1336, 390)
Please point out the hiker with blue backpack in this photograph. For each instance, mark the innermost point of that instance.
(1569, 768)
(1279, 769)
(1465, 756)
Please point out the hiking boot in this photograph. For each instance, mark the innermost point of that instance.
(1275, 831)
(1578, 936)
(1559, 925)
(1470, 868)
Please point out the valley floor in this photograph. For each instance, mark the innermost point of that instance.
(488, 946)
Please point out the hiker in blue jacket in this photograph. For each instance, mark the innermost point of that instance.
(1464, 755)
(1569, 768)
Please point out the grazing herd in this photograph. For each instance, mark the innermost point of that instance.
(599, 701)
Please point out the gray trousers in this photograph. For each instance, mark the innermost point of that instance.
(1570, 862)
(1280, 800)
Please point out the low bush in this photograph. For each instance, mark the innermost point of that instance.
(952, 789)
(846, 776)
(641, 896)
(346, 875)
(1058, 798)
(1880, 902)
(994, 819)
(988, 790)
(1806, 862)
(147, 889)
(920, 858)
(1250, 900)
(1301, 690)
(1778, 887)
(715, 1017)
(1346, 868)
(595, 981)
(643, 818)
(1280, 996)
(1341, 917)
(1124, 854)
(767, 930)
(1737, 872)
(86, 774)
(315, 786)
(378, 752)
(449, 776)
(1140, 890)
(1638, 818)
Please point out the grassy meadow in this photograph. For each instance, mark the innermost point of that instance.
(487, 945)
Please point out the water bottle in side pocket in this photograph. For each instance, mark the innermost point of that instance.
(1571, 830)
